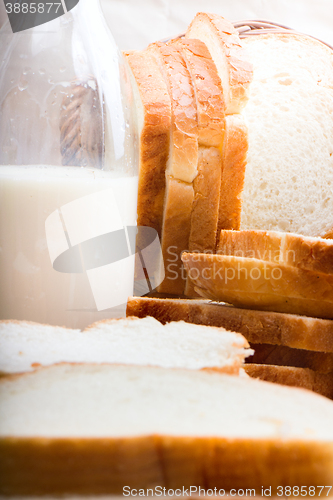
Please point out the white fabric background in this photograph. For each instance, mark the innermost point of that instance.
(136, 23)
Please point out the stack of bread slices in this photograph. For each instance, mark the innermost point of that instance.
(130, 405)
(256, 116)
(142, 404)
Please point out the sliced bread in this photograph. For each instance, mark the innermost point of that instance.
(259, 284)
(91, 429)
(211, 124)
(182, 164)
(235, 71)
(289, 171)
(259, 327)
(314, 254)
(24, 346)
(295, 377)
(153, 107)
(321, 362)
(231, 60)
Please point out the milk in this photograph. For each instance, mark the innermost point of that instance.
(30, 288)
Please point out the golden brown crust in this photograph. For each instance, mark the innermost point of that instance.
(154, 137)
(218, 275)
(205, 206)
(175, 234)
(183, 158)
(321, 362)
(37, 466)
(295, 377)
(208, 91)
(256, 326)
(239, 69)
(290, 249)
(234, 158)
(272, 302)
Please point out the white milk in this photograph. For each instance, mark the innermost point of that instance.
(30, 289)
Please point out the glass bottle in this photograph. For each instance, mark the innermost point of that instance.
(68, 171)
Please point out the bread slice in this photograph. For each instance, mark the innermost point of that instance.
(321, 362)
(230, 58)
(205, 208)
(24, 346)
(234, 154)
(153, 106)
(254, 283)
(211, 123)
(208, 91)
(289, 172)
(235, 72)
(76, 425)
(295, 377)
(270, 302)
(314, 254)
(182, 164)
(259, 327)
(183, 155)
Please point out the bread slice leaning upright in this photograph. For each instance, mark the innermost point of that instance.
(182, 163)
(211, 132)
(235, 72)
(153, 108)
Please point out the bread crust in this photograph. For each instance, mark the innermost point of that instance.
(175, 233)
(320, 362)
(42, 466)
(256, 326)
(205, 208)
(314, 254)
(294, 377)
(236, 61)
(234, 156)
(183, 157)
(154, 137)
(208, 91)
(220, 274)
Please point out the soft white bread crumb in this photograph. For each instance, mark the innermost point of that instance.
(119, 401)
(289, 172)
(23, 346)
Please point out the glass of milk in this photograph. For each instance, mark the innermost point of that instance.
(68, 170)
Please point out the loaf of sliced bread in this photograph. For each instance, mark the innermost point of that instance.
(24, 346)
(314, 254)
(289, 171)
(91, 429)
(258, 327)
